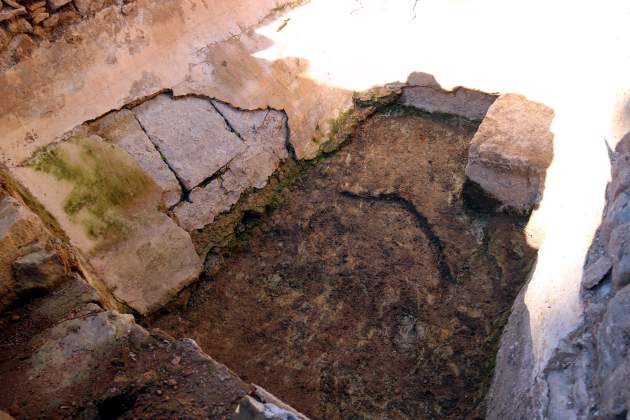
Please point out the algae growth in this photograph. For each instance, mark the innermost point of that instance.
(105, 181)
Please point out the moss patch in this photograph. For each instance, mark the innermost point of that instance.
(342, 128)
(105, 182)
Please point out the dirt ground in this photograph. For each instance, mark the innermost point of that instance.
(373, 291)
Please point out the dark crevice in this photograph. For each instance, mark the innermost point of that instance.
(435, 242)
(227, 123)
(477, 199)
(116, 406)
(287, 139)
(217, 175)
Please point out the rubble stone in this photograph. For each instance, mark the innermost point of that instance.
(596, 272)
(88, 7)
(39, 270)
(511, 151)
(8, 13)
(19, 229)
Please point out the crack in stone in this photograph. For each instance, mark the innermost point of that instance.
(227, 123)
(413, 10)
(287, 137)
(436, 244)
(218, 174)
(185, 192)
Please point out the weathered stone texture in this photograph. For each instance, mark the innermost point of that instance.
(20, 46)
(512, 150)
(7, 13)
(45, 15)
(191, 135)
(613, 354)
(264, 133)
(587, 374)
(262, 405)
(20, 229)
(123, 129)
(139, 253)
(204, 205)
(103, 365)
(514, 375)
(56, 4)
(88, 7)
(153, 262)
(39, 270)
(64, 356)
(462, 102)
(595, 272)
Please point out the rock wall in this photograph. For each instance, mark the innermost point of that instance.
(24, 25)
(586, 375)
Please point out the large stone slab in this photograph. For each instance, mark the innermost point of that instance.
(265, 136)
(110, 209)
(204, 205)
(511, 151)
(190, 134)
(151, 265)
(122, 128)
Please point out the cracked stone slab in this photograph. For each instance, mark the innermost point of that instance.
(144, 262)
(264, 133)
(122, 128)
(511, 151)
(263, 125)
(205, 204)
(191, 135)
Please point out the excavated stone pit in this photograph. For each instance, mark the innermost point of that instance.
(373, 290)
(214, 209)
(370, 282)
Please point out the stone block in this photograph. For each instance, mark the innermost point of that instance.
(511, 152)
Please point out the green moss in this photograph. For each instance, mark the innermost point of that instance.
(338, 124)
(342, 127)
(105, 181)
